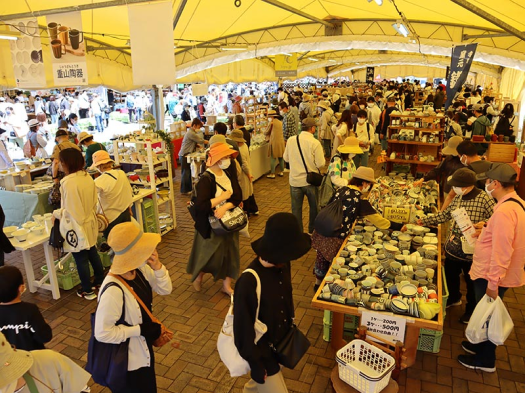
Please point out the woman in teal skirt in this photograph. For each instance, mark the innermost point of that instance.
(217, 191)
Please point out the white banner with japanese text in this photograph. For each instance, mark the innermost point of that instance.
(462, 57)
(68, 50)
(26, 53)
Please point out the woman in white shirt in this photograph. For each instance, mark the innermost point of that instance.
(79, 199)
(119, 317)
(114, 191)
(364, 133)
(341, 130)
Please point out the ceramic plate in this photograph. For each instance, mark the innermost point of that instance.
(408, 290)
(400, 305)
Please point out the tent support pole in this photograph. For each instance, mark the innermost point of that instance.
(158, 106)
(178, 14)
(298, 12)
(81, 7)
(492, 19)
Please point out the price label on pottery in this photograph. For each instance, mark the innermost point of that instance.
(386, 326)
(397, 214)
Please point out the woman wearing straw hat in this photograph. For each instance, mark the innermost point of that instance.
(342, 165)
(114, 191)
(217, 192)
(79, 199)
(48, 371)
(86, 139)
(275, 138)
(137, 263)
(328, 244)
(245, 177)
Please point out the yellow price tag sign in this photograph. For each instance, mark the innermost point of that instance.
(397, 214)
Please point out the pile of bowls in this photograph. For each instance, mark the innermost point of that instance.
(21, 235)
(9, 231)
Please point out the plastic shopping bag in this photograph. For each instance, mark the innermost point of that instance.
(478, 326)
(500, 324)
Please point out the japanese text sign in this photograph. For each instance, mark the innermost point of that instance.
(462, 57)
(385, 326)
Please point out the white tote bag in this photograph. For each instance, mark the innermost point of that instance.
(500, 324)
(75, 238)
(478, 327)
(226, 343)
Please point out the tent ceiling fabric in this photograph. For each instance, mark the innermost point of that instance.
(440, 24)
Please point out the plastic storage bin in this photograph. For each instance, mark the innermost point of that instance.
(105, 258)
(364, 367)
(429, 340)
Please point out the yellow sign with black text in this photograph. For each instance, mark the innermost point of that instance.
(397, 214)
(286, 65)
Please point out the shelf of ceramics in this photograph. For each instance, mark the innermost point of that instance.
(420, 116)
(412, 143)
(416, 128)
(155, 162)
(401, 161)
(159, 182)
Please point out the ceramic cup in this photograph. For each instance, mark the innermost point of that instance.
(395, 267)
(343, 272)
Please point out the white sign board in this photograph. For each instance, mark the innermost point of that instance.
(385, 326)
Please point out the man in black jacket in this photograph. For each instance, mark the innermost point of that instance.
(282, 242)
(384, 122)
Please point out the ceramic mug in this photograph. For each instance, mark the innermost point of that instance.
(74, 37)
(63, 34)
(52, 28)
(58, 48)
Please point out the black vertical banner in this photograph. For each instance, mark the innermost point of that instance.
(369, 74)
(462, 56)
(447, 73)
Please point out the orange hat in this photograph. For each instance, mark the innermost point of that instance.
(218, 151)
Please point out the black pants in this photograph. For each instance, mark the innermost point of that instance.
(83, 113)
(185, 179)
(453, 269)
(125, 216)
(142, 380)
(249, 205)
(131, 113)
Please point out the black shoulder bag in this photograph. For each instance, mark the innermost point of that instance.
(312, 178)
(108, 363)
(292, 347)
(233, 220)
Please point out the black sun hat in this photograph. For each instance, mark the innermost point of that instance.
(463, 177)
(283, 240)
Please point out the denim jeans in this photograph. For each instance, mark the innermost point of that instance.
(83, 259)
(139, 113)
(185, 177)
(273, 164)
(297, 195)
(361, 159)
(54, 119)
(100, 124)
(384, 144)
(486, 351)
(131, 114)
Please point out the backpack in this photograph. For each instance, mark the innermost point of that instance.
(29, 149)
(303, 114)
(330, 219)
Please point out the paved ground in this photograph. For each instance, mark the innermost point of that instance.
(197, 317)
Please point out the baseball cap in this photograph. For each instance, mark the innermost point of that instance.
(309, 122)
(501, 172)
(60, 133)
(477, 108)
(463, 177)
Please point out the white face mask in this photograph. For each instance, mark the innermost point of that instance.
(459, 190)
(463, 162)
(370, 105)
(361, 121)
(366, 189)
(362, 106)
(489, 192)
(225, 163)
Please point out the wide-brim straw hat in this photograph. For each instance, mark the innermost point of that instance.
(350, 146)
(14, 363)
(323, 104)
(218, 151)
(217, 139)
(237, 136)
(365, 173)
(271, 112)
(100, 157)
(83, 136)
(451, 148)
(132, 247)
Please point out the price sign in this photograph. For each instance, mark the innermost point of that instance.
(385, 326)
(397, 214)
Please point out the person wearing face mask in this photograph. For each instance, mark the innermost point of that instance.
(217, 191)
(36, 140)
(326, 244)
(363, 131)
(136, 272)
(113, 189)
(374, 113)
(499, 255)
(289, 121)
(384, 122)
(21, 322)
(468, 156)
(479, 207)
(85, 139)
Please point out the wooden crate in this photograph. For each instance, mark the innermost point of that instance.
(501, 152)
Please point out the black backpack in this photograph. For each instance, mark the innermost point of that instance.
(330, 219)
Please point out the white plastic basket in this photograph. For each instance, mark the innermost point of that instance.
(364, 367)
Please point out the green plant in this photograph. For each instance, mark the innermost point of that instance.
(167, 141)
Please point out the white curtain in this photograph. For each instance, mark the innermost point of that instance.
(512, 83)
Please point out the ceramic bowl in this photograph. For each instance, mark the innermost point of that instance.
(21, 235)
(408, 290)
(9, 231)
(37, 230)
(29, 225)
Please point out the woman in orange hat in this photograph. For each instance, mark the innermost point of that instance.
(217, 191)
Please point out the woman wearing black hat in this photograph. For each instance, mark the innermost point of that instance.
(281, 243)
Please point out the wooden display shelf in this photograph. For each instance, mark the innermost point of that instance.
(413, 324)
(420, 116)
(417, 128)
(396, 141)
(401, 161)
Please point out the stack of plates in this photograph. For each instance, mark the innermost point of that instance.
(399, 306)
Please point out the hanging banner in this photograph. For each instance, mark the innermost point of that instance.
(199, 89)
(68, 50)
(286, 65)
(462, 56)
(26, 53)
(370, 74)
(151, 36)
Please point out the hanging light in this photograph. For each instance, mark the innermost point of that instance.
(378, 2)
(232, 48)
(401, 28)
(313, 59)
(9, 35)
